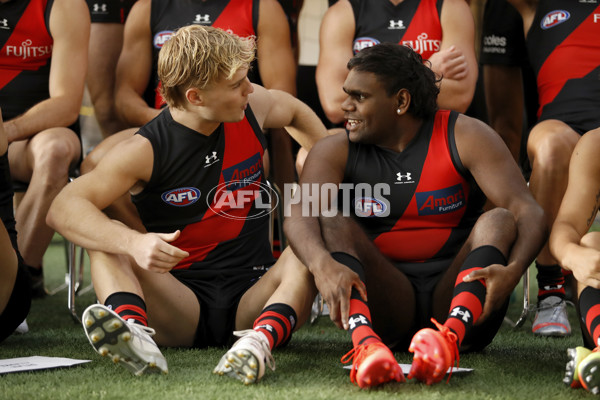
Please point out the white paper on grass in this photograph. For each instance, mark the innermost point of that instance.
(35, 363)
(406, 369)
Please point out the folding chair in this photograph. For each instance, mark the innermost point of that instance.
(279, 209)
(526, 306)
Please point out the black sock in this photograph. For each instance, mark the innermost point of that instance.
(129, 306)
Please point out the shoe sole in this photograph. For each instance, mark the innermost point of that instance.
(432, 357)
(589, 373)
(551, 334)
(575, 355)
(239, 364)
(109, 336)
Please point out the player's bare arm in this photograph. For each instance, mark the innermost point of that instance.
(70, 29)
(325, 164)
(278, 109)
(77, 211)
(507, 190)
(276, 62)
(456, 60)
(577, 213)
(134, 67)
(335, 49)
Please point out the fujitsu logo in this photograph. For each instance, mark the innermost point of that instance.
(423, 44)
(26, 50)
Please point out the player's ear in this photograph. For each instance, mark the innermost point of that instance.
(194, 96)
(403, 99)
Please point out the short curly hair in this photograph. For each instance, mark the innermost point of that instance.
(399, 67)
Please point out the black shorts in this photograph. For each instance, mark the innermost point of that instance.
(424, 277)
(18, 305)
(105, 11)
(219, 293)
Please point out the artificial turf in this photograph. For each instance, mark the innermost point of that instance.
(516, 365)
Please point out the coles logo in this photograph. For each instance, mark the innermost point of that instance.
(554, 18)
(181, 197)
(369, 207)
(161, 38)
(363, 42)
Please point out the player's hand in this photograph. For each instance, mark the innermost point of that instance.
(335, 282)
(585, 264)
(500, 281)
(152, 251)
(450, 63)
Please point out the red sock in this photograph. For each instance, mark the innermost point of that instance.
(469, 297)
(359, 322)
(589, 308)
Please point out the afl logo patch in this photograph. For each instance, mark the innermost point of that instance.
(161, 38)
(363, 42)
(369, 207)
(554, 18)
(181, 197)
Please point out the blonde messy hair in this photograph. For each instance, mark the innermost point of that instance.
(197, 56)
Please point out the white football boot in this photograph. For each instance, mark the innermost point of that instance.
(127, 343)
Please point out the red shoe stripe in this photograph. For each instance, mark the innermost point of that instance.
(539, 326)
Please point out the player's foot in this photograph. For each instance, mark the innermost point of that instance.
(23, 328)
(247, 357)
(575, 355)
(435, 352)
(127, 343)
(36, 276)
(588, 371)
(373, 364)
(551, 318)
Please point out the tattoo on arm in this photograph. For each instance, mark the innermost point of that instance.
(594, 210)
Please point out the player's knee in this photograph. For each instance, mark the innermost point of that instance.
(551, 151)
(495, 227)
(55, 154)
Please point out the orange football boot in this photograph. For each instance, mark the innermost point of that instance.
(435, 352)
(373, 364)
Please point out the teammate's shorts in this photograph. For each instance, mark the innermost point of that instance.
(219, 293)
(18, 305)
(104, 11)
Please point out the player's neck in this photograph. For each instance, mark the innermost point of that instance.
(404, 133)
(193, 121)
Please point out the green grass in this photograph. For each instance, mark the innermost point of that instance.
(516, 365)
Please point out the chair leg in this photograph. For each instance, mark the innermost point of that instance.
(280, 216)
(525, 310)
(73, 281)
(65, 284)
